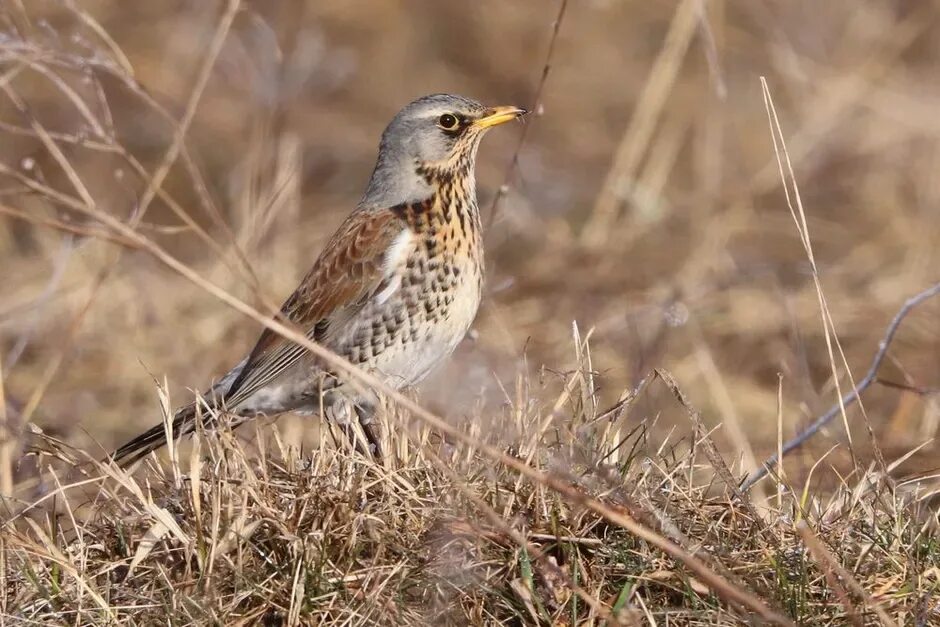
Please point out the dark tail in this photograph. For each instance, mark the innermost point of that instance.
(184, 423)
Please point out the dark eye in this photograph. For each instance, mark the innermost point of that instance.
(448, 122)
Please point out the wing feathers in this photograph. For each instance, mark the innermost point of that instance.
(351, 268)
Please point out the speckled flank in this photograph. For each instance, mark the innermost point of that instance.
(441, 280)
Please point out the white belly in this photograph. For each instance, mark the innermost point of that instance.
(410, 363)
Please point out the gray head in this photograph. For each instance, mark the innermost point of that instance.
(438, 133)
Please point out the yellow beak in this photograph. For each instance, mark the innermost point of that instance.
(499, 115)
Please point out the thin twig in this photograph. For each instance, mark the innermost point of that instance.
(518, 537)
(914, 389)
(850, 398)
(826, 561)
(830, 564)
(65, 227)
(536, 106)
(711, 451)
(791, 192)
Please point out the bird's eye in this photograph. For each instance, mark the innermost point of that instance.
(448, 122)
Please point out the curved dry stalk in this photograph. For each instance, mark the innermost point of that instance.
(853, 396)
(520, 539)
(536, 104)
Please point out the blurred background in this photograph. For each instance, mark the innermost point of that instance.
(646, 208)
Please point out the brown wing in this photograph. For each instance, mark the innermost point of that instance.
(348, 271)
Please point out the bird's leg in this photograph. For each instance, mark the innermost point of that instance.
(341, 411)
(366, 413)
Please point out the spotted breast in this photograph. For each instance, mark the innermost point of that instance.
(420, 314)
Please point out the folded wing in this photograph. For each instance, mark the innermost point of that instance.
(352, 269)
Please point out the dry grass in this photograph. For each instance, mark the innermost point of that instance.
(225, 535)
(162, 160)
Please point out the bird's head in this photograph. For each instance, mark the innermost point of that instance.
(434, 135)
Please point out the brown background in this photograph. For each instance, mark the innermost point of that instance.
(701, 272)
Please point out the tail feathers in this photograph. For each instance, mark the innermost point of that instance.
(184, 423)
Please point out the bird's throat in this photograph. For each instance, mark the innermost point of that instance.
(448, 222)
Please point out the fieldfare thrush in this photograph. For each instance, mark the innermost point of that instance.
(393, 292)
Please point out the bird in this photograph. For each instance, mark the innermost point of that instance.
(394, 290)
